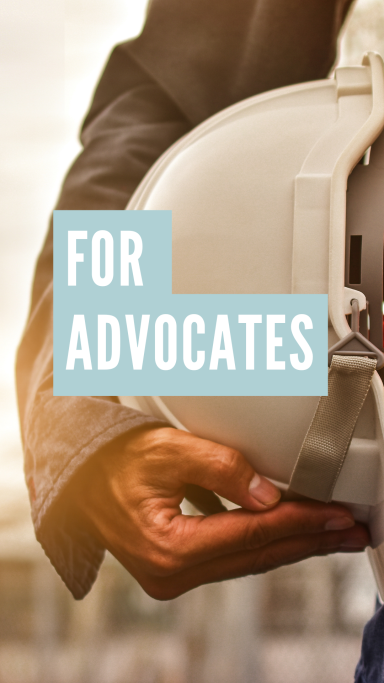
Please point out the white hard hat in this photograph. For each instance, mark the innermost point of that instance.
(269, 197)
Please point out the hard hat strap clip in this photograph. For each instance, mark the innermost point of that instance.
(355, 344)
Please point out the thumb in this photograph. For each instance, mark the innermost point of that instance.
(226, 472)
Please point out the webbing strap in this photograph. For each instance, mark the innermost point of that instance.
(328, 438)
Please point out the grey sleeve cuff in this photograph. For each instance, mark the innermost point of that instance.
(60, 529)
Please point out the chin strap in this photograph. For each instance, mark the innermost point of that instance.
(353, 360)
(327, 441)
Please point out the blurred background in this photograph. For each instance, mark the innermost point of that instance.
(299, 624)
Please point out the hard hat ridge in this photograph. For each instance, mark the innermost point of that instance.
(285, 166)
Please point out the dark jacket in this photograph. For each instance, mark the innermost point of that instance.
(192, 59)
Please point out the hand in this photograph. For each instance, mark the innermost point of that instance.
(131, 499)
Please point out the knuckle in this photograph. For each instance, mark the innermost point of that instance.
(162, 563)
(159, 443)
(321, 547)
(324, 544)
(256, 535)
(250, 537)
(234, 459)
(229, 463)
(164, 436)
(160, 551)
(266, 560)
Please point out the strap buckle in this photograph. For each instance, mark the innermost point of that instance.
(354, 344)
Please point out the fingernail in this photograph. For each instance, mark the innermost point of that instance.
(263, 490)
(353, 543)
(339, 523)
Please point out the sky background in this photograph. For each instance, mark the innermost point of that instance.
(51, 54)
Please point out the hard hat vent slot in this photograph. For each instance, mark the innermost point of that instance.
(364, 267)
(355, 260)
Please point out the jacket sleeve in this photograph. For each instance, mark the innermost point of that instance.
(130, 123)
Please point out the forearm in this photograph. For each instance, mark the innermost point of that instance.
(60, 434)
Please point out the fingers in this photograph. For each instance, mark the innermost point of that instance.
(170, 553)
(220, 469)
(198, 539)
(278, 553)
